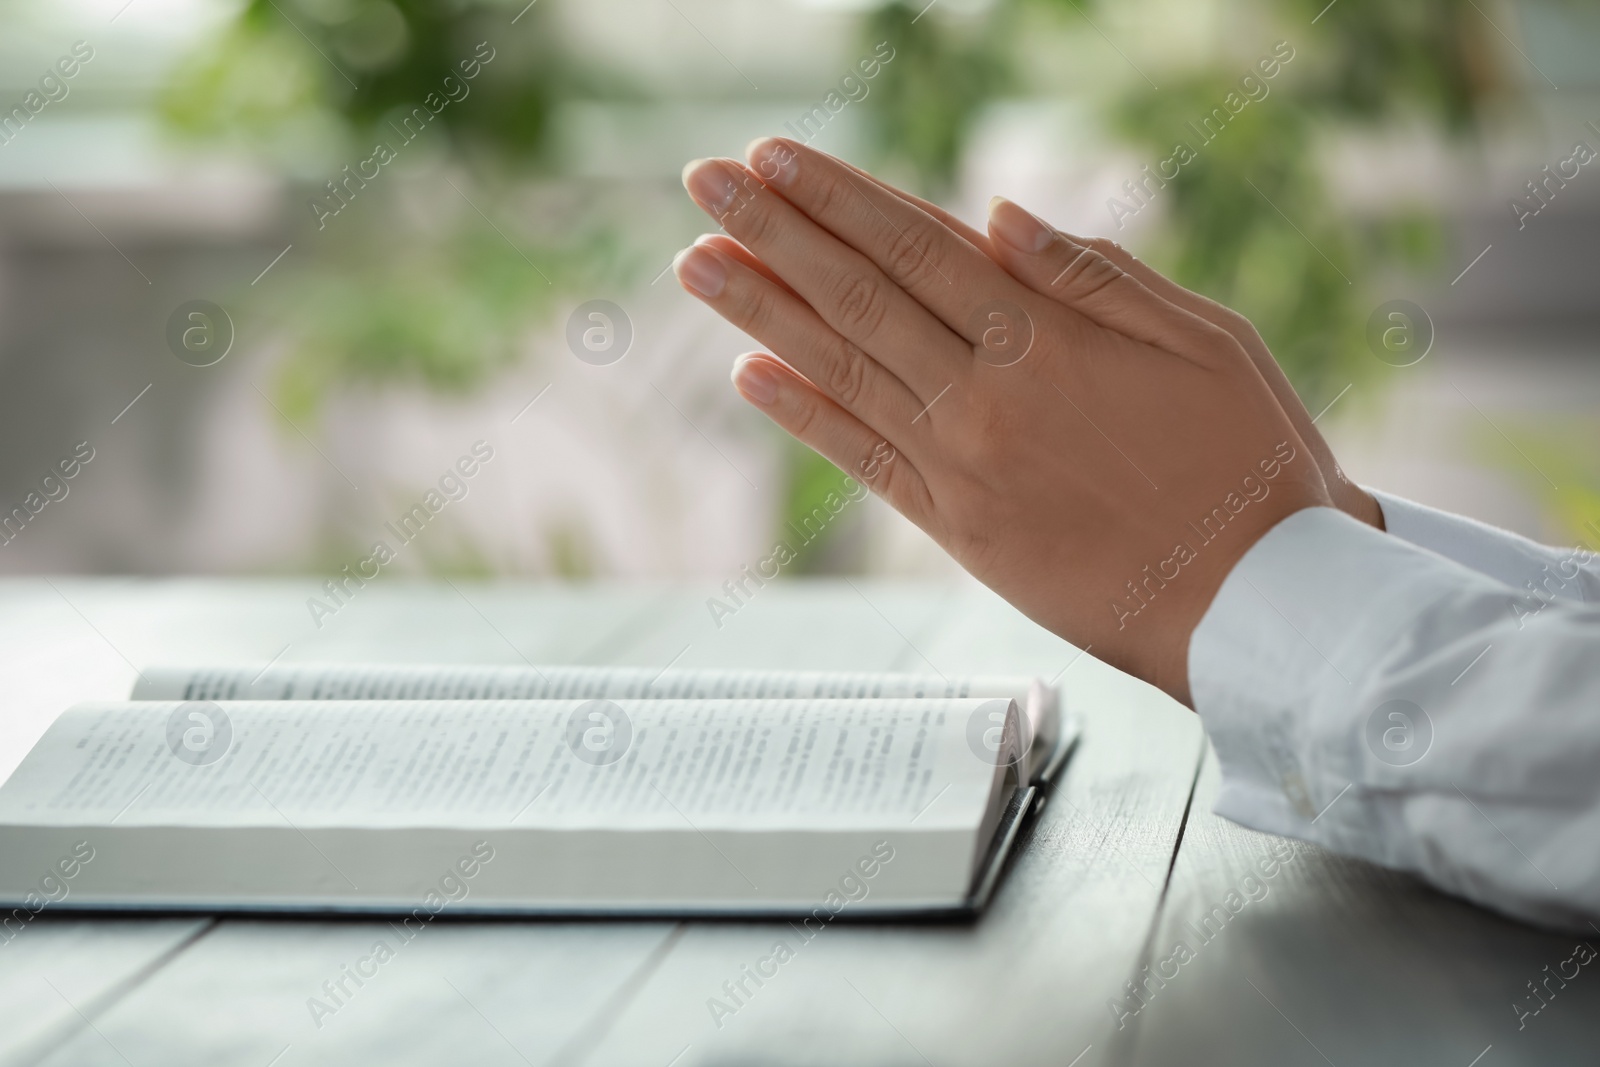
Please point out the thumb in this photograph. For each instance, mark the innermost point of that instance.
(1091, 282)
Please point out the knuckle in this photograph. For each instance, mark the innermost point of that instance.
(1108, 248)
(896, 483)
(1086, 273)
(912, 497)
(759, 312)
(1205, 334)
(884, 480)
(872, 469)
(830, 196)
(909, 257)
(1236, 324)
(808, 417)
(846, 373)
(859, 303)
(751, 218)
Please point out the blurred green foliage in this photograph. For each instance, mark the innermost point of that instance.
(1250, 222)
(439, 292)
(440, 311)
(941, 80)
(348, 65)
(1558, 458)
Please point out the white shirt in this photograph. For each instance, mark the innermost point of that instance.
(1426, 698)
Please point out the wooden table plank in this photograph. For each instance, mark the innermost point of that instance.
(1336, 960)
(259, 993)
(56, 971)
(1024, 984)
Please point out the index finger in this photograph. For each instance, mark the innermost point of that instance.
(916, 250)
(967, 233)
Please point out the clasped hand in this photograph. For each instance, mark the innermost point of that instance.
(1090, 440)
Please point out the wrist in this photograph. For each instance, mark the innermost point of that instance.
(1358, 503)
(1173, 671)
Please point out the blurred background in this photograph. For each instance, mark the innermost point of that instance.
(278, 265)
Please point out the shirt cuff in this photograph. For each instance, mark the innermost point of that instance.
(1524, 565)
(1277, 663)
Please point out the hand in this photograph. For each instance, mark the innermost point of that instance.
(1101, 457)
(1022, 262)
(1024, 251)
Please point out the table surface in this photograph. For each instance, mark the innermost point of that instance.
(1328, 961)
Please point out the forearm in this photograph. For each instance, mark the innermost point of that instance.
(1539, 573)
(1484, 784)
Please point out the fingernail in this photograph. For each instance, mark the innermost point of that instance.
(709, 182)
(756, 379)
(774, 160)
(700, 270)
(1017, 228)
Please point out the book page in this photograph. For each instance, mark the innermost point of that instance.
(334, 681)
(741, 764)
(370, 681)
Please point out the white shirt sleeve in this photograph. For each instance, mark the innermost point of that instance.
(1540, 573)
(1383, 701)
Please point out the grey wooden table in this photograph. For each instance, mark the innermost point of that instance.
(1325, 961)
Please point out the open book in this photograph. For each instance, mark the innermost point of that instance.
(528, 791)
